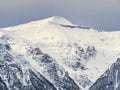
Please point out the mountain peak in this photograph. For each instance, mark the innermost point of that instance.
(59, 20)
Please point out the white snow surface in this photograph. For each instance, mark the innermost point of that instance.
(54, 39)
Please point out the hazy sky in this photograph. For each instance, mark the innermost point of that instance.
(98, 14)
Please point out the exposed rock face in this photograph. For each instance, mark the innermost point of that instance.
(16, 73)
(40, 83)
(110, 80)
(2, 85)
(59, 77)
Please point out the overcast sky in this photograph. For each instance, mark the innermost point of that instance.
(98, 14)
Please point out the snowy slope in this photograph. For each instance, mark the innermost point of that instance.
(83, 52)
(110, 79)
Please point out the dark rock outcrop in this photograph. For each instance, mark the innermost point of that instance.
(2, 85)
(16, 74)
(55, 73)
(40, 83)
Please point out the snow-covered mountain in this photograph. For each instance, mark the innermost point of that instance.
(54, 54)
